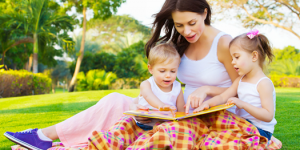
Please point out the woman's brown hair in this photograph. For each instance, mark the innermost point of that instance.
(163, 19)
(259, 43)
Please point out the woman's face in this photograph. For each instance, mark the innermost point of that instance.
(189, 24)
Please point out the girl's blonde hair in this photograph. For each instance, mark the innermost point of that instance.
(162, 53)
(259, 43)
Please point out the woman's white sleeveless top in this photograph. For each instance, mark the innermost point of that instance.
(248, 92)
(207, 71)
(168, 98)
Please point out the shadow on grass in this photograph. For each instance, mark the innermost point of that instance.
(60, 107)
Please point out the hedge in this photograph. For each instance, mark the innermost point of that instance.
(21, 83)
(126, 83)
(285, 81)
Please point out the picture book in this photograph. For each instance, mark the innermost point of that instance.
(169, 115)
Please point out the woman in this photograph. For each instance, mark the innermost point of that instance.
(205, 69)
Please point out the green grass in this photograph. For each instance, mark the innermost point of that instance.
(20, 113)
(60, 90)
(288, 117)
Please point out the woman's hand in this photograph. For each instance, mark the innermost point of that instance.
(203, 106)
(196, 98)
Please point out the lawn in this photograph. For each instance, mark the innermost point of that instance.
(20, 113)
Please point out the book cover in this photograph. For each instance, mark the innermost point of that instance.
(167, 115)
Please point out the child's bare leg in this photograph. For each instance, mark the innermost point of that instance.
(50, 132)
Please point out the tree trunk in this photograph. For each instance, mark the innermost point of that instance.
(30, 62)
(25, 67)
(35, 53)
(81, 53)
(3, 55)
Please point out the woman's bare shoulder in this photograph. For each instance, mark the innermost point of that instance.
(224, 42)
(223, 48)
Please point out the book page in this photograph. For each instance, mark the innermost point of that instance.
(167, 115)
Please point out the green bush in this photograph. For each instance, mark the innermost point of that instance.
(21, 83)
(285, 81)
(126, 83)
(95, 80)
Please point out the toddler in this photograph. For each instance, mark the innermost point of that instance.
(161, 90)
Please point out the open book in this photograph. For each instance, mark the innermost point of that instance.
(167, 115)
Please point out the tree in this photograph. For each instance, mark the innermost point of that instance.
(127, 65)
(89, 46)
(286, 62)
(284, 14)
(285, 67)
(58, 73)
(11, 33)
(40, 24)
(102, 9)
(118, 32)
(289, 52)
(103, 61)
(45, 23)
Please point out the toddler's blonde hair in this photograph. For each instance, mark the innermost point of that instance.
(163, 53)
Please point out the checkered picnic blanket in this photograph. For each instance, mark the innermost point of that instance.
(219, 130)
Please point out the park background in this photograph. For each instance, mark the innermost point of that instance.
(59, 57)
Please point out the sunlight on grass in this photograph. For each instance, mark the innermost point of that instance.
(20, 113)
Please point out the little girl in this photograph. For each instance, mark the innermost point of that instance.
(161, 90)
(256, 93)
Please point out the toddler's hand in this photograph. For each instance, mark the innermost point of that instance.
(233, 100)
(166, 108)
(201, 107)
(134, 106)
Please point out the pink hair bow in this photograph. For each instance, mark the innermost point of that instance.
(252, 33)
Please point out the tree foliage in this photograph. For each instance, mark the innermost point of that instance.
(289, 52)
(59, 72)
(131, 62)
(118, 32)
(284, 14)
(126, 64)
(103, 61)
(90, 46)
(37, 22)
(286, 62)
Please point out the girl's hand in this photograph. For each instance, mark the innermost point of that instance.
(196, 98)
(233, 100)
(166, 108)
(203, 106)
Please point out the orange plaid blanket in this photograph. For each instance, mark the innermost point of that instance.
(218, 131)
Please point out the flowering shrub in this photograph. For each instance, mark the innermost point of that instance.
(20, 83)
